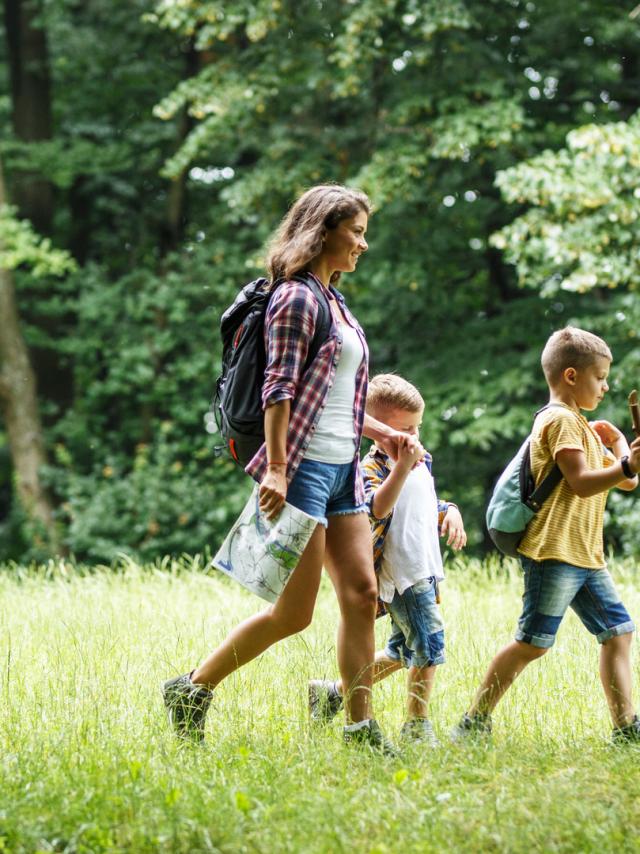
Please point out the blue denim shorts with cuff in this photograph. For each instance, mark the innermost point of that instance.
(417, 630)
(324, 489)
(550, 587)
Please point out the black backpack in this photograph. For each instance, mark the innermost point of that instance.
(237, 402)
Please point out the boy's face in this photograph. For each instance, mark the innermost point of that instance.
(589, 385)
(401, 420)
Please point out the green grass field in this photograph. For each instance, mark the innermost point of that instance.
(88, 763)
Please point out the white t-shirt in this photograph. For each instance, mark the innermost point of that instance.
(411, 548)
(334, 439)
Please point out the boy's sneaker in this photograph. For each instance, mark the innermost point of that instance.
(187, 705)
(370, 735)
(324, 701)
(628, 734)
(471, 727)
(419, 731)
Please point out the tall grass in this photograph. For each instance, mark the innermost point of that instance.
(88, 763)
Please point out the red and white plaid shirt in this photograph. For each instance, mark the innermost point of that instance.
(290, 323)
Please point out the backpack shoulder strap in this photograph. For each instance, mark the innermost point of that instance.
(544, 490)
(323, 321)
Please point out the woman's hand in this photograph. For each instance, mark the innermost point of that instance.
(453, 529)
(273, 491)
(398, 444)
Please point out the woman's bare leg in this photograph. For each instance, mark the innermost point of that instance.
(291, 614)
(349, 561)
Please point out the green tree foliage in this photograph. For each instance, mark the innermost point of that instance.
(420, 103)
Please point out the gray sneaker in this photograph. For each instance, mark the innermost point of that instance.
(419, 731)
(629, 734)
(371, 736)
(471, 727)
(324, 701)
(187, 705)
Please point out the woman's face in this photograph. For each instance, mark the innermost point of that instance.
(345, 243)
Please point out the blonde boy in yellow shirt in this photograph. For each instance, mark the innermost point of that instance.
(562, 551)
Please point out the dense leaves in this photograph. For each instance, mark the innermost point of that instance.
(498, 141)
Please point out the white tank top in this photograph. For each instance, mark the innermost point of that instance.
(334, 439)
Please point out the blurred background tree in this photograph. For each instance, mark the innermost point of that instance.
(497, 140)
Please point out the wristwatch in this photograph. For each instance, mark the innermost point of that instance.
(626, 468)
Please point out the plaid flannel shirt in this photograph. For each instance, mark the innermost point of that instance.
(376, 469)
(290, 323)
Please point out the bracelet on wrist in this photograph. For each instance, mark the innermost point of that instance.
(627, 471)
(275, 464)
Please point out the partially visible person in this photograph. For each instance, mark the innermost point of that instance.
(562, 552)
(314, 420)
(406, 517)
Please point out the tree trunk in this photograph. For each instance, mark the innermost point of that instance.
(19, 403)
(31, 104)
(172, 230)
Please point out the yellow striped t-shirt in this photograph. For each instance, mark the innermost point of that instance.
(566, 528)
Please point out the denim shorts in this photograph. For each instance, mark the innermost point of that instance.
(551, 586)
(417, 630)
(324, 489)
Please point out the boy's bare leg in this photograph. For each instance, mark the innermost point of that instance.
(383, 666)
(291, 613)
(615, 674)
(420, 683)
(503, 671)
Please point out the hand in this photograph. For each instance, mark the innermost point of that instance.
(634, 455)
(608, 433)
(453, 528)
(273, 491)
(403, 446)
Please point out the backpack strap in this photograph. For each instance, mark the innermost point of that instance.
(323, 320)
(544, 490)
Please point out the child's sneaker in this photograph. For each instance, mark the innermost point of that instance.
(324, 701)
(628, 734)
(368, 734)
(187, 705)
(470, 727)
(419, 731)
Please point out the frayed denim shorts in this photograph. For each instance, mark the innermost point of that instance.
(324, 489)
(417, 630)
(550, 587)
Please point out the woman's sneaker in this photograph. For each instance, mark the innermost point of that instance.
(419, 731)
(368, 734)
(628, 734)
(187, 705)
(324, 701)
(471, 727)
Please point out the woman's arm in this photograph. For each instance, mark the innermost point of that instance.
(380, 432)
(273, 489)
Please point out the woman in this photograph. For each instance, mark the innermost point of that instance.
(314, 420)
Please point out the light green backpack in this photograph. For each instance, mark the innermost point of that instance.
(515, 499)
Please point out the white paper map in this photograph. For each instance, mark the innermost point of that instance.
(261, 554)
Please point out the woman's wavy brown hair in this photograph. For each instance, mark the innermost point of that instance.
(300, 235)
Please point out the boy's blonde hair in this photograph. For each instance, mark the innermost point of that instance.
(571, 348)
(389, 391)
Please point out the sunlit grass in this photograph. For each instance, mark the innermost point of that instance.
(88, 763)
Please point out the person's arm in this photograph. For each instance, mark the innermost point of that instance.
(385, 497)
(273, 488)
(586, 482)
(386, 436)
(616, 441)
(453, 528)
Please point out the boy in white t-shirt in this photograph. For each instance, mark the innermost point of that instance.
(406, 518)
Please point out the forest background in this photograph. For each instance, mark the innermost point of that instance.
(148, 150)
